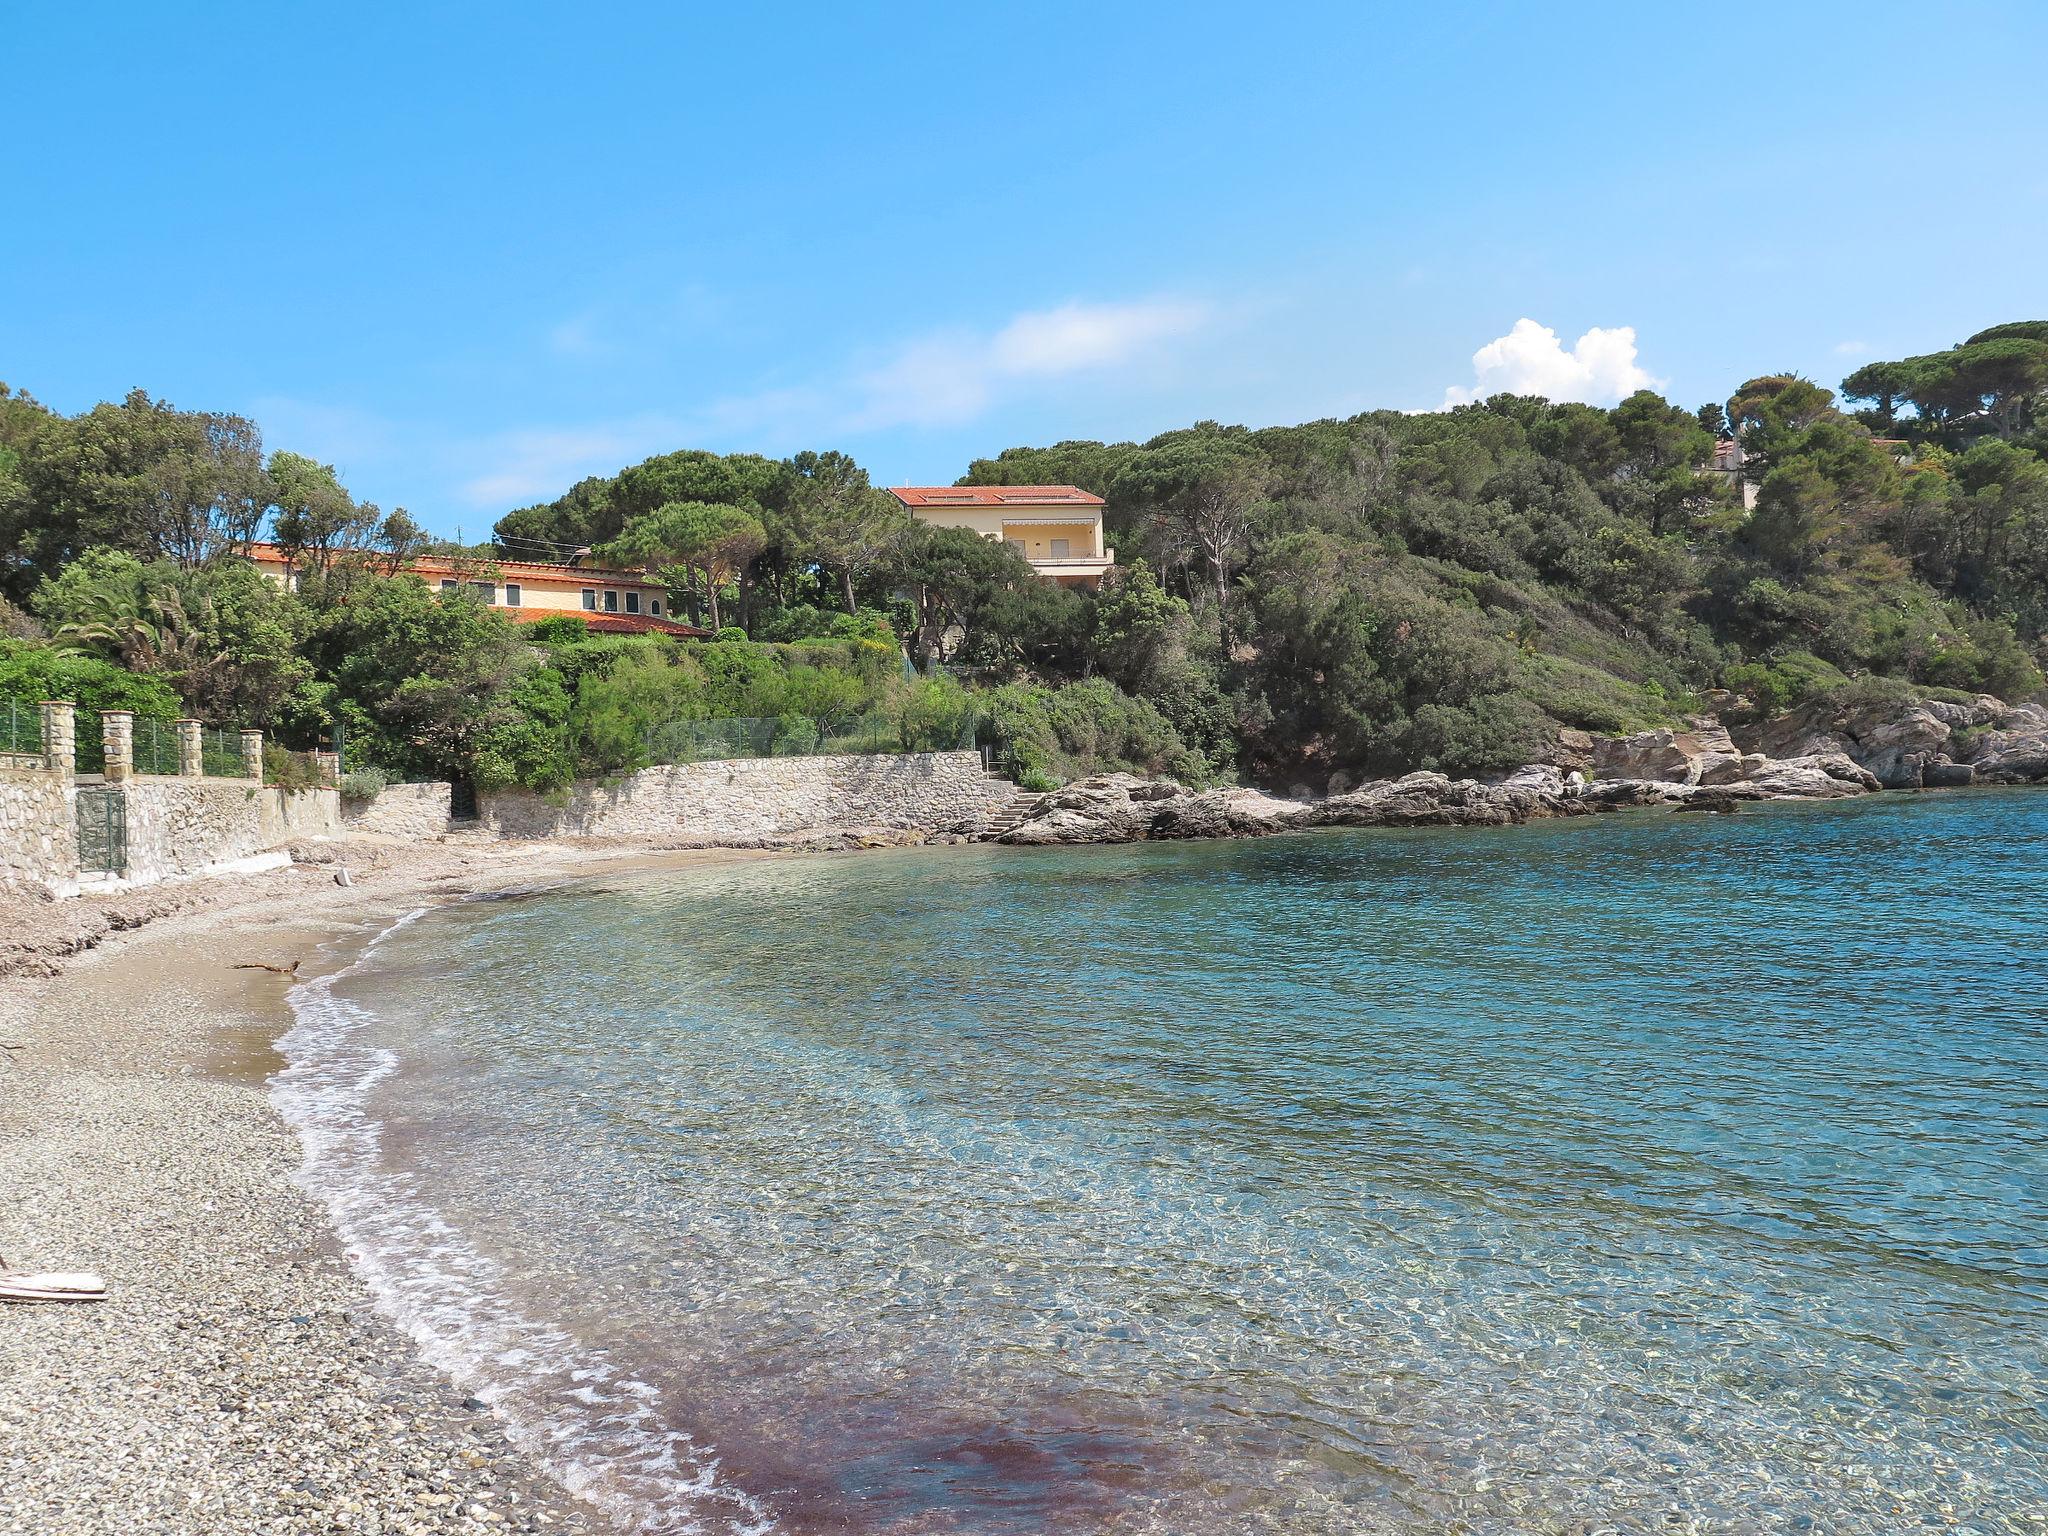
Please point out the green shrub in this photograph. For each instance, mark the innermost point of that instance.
(557, 629)
(1059, 734)
(937, 715)
(363, 784)
(1771, 687)
(1485, 735)
(731, 632)
(795, 736)
(285, 769)
(32, 673)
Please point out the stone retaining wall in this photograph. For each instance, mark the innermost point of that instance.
(759, 797)
(38, 836)
(400, 810)
(183, 826)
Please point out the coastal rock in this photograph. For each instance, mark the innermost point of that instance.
(1434, 800)
(1109, 808)
(1702, 754)
(1228, 813)
(1620, 794)
(1900, 740)
(2012, 749)
(1574, 750)
(1816, 776)
(1696, 770)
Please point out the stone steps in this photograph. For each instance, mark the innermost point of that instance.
(1020, 805)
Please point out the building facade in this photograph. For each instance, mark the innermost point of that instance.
(1057, 528)
(613, 601)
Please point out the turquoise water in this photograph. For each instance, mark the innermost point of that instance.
(1641, 1173)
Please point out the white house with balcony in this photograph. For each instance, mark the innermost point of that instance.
(1057, 528)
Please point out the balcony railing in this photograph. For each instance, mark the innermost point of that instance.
(1066, 562)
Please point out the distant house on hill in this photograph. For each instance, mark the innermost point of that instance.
(1730, 464)
(1058, 528)
(1727, 466)
(608, 601)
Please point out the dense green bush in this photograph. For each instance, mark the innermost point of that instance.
(285, 769)
(1065, 733)
(1359, 595)
(31, 672)
(363, 784)
(1772, 687)
(937, 715)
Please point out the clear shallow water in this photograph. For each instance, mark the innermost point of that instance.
(1639, 1174)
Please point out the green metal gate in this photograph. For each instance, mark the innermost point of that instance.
(102, 831)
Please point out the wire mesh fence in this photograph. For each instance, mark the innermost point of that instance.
(21, 727)
(155, 746)
(220, 753)
(877, 731)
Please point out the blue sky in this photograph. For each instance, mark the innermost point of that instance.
(469, 254)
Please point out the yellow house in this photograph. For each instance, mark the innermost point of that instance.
(1058, 528)
(610, 601)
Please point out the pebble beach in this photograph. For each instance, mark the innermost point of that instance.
(237, 1379)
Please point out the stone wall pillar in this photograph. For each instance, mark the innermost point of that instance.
(252, 755)
(60, 736)
(329, 764)
(191, 759)
(117, 730)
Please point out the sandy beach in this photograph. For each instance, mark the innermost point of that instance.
(238, 1377)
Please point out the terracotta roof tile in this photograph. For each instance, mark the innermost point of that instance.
(994, 496)
(441, 565)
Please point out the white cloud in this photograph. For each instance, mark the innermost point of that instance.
(537, 464)
(1851, 348)
(1076, 336)
(942, 378)
(1599, 370)
(953, 376)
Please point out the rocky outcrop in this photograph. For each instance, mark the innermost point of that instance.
(1816, 776)
(1122, 808)
(1918, 743)
(1826, 752)
(1702, 754)
(2011, 749)
(1434, 800)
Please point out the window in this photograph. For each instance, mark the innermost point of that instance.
(511, 594)
(590, 599)
(487, 590)
(632, 602)
(1016, 544)
(611, 601)
(449, 583)
(1059, 549)
(654, 606)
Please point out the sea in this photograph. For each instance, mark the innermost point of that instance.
(1637, 1173)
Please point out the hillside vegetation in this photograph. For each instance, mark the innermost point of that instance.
(1373, 594)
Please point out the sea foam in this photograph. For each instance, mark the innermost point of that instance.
(597, 1429)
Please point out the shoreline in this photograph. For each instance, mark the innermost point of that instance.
(239, 1376)
(242, 1375)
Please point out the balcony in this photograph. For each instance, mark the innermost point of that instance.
(1090, 568)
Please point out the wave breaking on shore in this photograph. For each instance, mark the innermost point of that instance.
(593, 1427)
